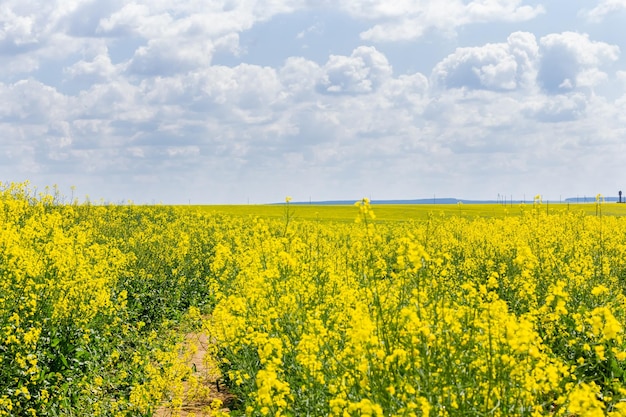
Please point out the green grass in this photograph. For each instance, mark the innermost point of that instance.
(406, 212)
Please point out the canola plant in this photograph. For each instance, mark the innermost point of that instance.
(449, 316)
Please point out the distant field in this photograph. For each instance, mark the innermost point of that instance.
(405, 212)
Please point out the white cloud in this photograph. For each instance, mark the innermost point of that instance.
(571, 60)
(108, 101)
(16, 32)
(300, 76)
(31, 102)
(410, 19)
(153, 21)
(98, 69)
(557, 108)
(168, 56)
(604, 8)
(407, 92)
(500, 66)
(176, 36)
(29, 25)
(182, 151)
(558, 63)
(501, 10)
(362, 72)
(316, 29)
(136, 19)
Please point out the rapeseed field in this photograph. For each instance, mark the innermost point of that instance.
(448, 314)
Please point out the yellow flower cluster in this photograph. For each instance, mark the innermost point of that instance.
(86, 295)
(522, 315)
(449, 316)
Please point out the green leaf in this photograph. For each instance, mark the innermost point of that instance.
(64, 360)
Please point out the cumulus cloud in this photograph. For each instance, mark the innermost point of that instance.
(17, 32)
(300, 76)
(557, 108)
(31, 102)
(500, 66)
(136, 19)
(408, 92)
(154, 19)
(40, 29)
(172, 36)
(502, 10)
(98, 69)
(168, 56)
(571, 60)
(362, 72)
(410, 19)
(558, 63)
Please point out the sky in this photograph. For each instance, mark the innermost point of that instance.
(249, 101)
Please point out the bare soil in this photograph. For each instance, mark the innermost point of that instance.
(197, 402)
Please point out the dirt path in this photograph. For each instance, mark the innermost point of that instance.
(201, 388)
